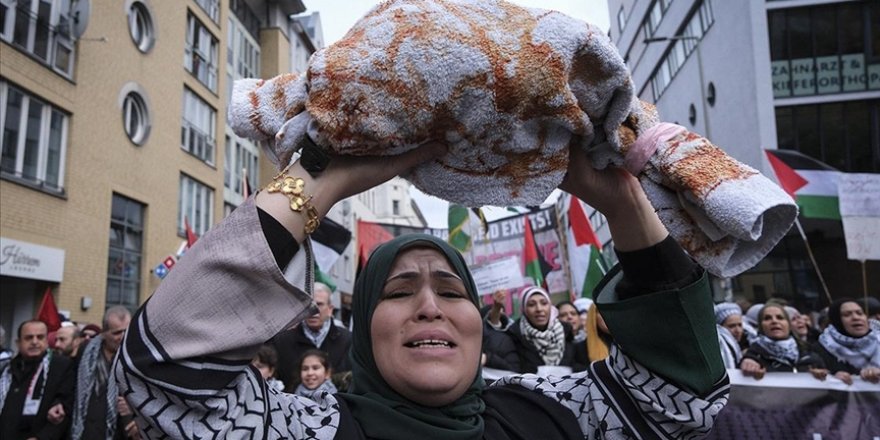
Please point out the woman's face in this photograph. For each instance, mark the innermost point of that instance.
(799, 325)
(855, 322)
(569, 314)
(313, 373)
(426, 332)
(537, 310)
(774, 324)
(734, 323)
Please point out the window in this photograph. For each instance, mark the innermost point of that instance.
(241, 158)
(211, 7)
(395, 207)
(136, 118)
(140, 26)
(41, 28)
(196, 205)
(201, 53)
(197, 127)
(126, 252)
(621, 19)
(34, 139)
(246, 16)
(697, 26)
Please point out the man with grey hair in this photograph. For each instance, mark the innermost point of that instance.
(318, 331)
(99, 411)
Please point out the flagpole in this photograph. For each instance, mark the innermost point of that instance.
(797, 223)
(566, 265)
(865, 284)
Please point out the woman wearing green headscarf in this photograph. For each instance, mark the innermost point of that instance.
(184, 365)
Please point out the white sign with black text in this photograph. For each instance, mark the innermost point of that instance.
(32, 261)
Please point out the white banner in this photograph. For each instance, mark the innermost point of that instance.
(859, 195)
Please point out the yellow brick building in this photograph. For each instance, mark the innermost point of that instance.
(112, 130)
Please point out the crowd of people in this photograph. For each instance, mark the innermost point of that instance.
(59, 385)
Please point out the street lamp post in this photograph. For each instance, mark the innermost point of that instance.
(699, 67)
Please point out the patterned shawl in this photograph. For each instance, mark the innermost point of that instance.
(91, 365)
(858, 352)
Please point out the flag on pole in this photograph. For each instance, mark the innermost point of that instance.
(813, 184)
(48, 312)
(465, 225)
(328, 243)
(369, 236)
(191, 236)
(536, 268)
(584, 251)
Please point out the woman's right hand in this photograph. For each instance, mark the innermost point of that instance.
(844, 377)
(752, 368)
(870, 374)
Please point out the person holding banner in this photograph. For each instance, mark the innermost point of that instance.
(777, 350)
(416, 343)
(848, 345)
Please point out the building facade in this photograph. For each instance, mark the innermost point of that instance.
(114, 136)
(764, 74)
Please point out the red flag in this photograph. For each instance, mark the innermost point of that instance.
(48, 313)
(580, 225)
(536, 268)
(191, 236)
(369, 236)
(789, 179)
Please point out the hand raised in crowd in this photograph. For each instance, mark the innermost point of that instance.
(56, 414)
(618, 195)
(752, 368)
(122, 407)
(499, 298)
(819, 373)
(871, 374)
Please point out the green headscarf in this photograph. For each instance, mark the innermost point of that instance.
(381, 412)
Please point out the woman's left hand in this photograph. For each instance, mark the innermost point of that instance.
(871, 374)
(819, 373)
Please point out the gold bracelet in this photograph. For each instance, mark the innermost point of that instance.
(293, 188)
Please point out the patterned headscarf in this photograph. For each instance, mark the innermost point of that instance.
(725, 310)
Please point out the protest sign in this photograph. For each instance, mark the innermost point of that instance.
(859, 195)
(504, 274)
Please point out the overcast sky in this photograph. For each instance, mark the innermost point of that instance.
(337, 16)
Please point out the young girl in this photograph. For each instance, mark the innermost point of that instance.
(266, 360)
(314, 371)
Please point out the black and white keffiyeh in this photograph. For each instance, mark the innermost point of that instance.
(550, 342)
(327, 386)
(731, 353)
(6, 378)
(784, 350)
(859, 352)
(93, 373)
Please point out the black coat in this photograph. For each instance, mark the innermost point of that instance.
(499, 347)
(59, 389)
(833, 364)
(291, 344)
(522, 356)
(806, 359)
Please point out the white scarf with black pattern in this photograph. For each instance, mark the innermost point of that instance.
(6, 378)
(858, 352)
(550, 343)
(786, 349)
(91, 365)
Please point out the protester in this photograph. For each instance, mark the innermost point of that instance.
(5, 353)
(36, 388)
(499, 351)
(266, 361)
(569, 313)
(89, 331)
(848, 345)
(750, 322)
(100, 411)
(583, 306)
(318, 331)
(314, 375)
(67, 340)
(728, 316)
(777, 350)
(598, 337)
(417, 332)
(873, 311)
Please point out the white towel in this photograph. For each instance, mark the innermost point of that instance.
(508, 89)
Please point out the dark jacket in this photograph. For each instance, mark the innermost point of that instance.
(499, 347)
(807, 359)
(59, 389)
(525, 358)
(832, 363)
(291, 344)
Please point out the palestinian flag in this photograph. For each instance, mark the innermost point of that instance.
(812, 184)
(328, 243)
(535, 266)
(465, 224)
(584, 252)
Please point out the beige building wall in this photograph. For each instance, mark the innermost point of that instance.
(100, 158)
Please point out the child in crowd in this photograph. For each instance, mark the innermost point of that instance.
(314, 370)
(265, 361)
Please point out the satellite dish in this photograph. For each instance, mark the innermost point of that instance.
(80, 11)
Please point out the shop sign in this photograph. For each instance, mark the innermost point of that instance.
(27, 260)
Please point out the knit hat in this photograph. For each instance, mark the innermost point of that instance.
(792, 312)
(725, 310)
(583, 304)
(752, 314)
